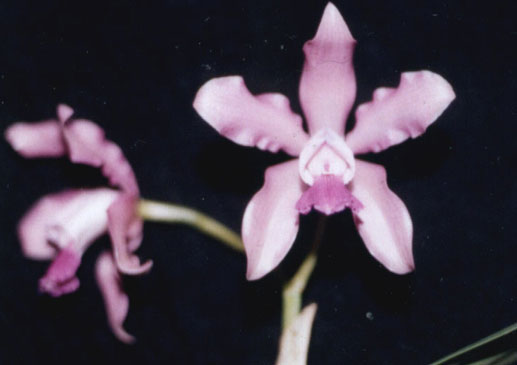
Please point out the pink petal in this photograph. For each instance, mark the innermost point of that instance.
(123, 218)
(384, 222)
(270, 222)
(394, 115)
(64, 112)
(82, 140)
(42, 139)
(327, 86)
(75, 217)
(265, 121)
(117, 169)
(116, 300)
(60, 277)
(328, 195)
(87, 145)
(85, 141)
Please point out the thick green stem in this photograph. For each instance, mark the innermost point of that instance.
(293, 289)
(484, 341)
(171, 213)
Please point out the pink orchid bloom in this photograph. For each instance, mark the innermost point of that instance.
(326, 175)
(60, 227)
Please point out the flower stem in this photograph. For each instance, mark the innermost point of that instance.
(484, 341)
(503, 358)
(292, 293)
(155, 211)
(293, 289)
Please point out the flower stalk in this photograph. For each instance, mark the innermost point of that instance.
(293, 289)
(155, 211)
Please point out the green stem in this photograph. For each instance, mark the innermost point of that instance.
(477, 344)
(292, 293)
(504, 358)
(171, 213)
(293, 289)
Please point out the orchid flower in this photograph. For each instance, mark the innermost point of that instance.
(325, 175)
(60, 227)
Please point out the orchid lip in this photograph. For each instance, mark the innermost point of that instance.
(326, 153)
(328, 195)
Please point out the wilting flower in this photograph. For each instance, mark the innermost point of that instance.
(60, 227)
(326, 175)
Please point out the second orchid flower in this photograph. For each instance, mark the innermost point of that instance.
(60, 227)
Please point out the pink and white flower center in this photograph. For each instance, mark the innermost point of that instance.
(327, 164)
(326, 153)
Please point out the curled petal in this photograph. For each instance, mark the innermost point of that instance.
(73, 218)
(42, 139)
(116, 300)
(32, 229)
(395, 115)
(64, 112)
(85, 140)
(294, 343)
(88, 145)
(60, 277)
(384, 222)
(270, 222)
(265, 121)
(117, 169)
(82, 140)
(327, 86)
(122, 220)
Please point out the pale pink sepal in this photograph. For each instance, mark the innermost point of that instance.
(265, 121)
(88, 145)
(82, 140)
(116, 301)
(384, 222)
(124, 228)
(60, 277)
(395, 115)
(295, 340)
(32, 140)
(328, 195)
(270, 222)
(64, 112)
(73, 218)
(327, 86)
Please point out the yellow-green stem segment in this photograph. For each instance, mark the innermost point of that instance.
(171, 213)
(293, 289)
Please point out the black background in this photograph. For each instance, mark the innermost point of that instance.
(134, 68)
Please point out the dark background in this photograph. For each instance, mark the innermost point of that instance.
(134, 68)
